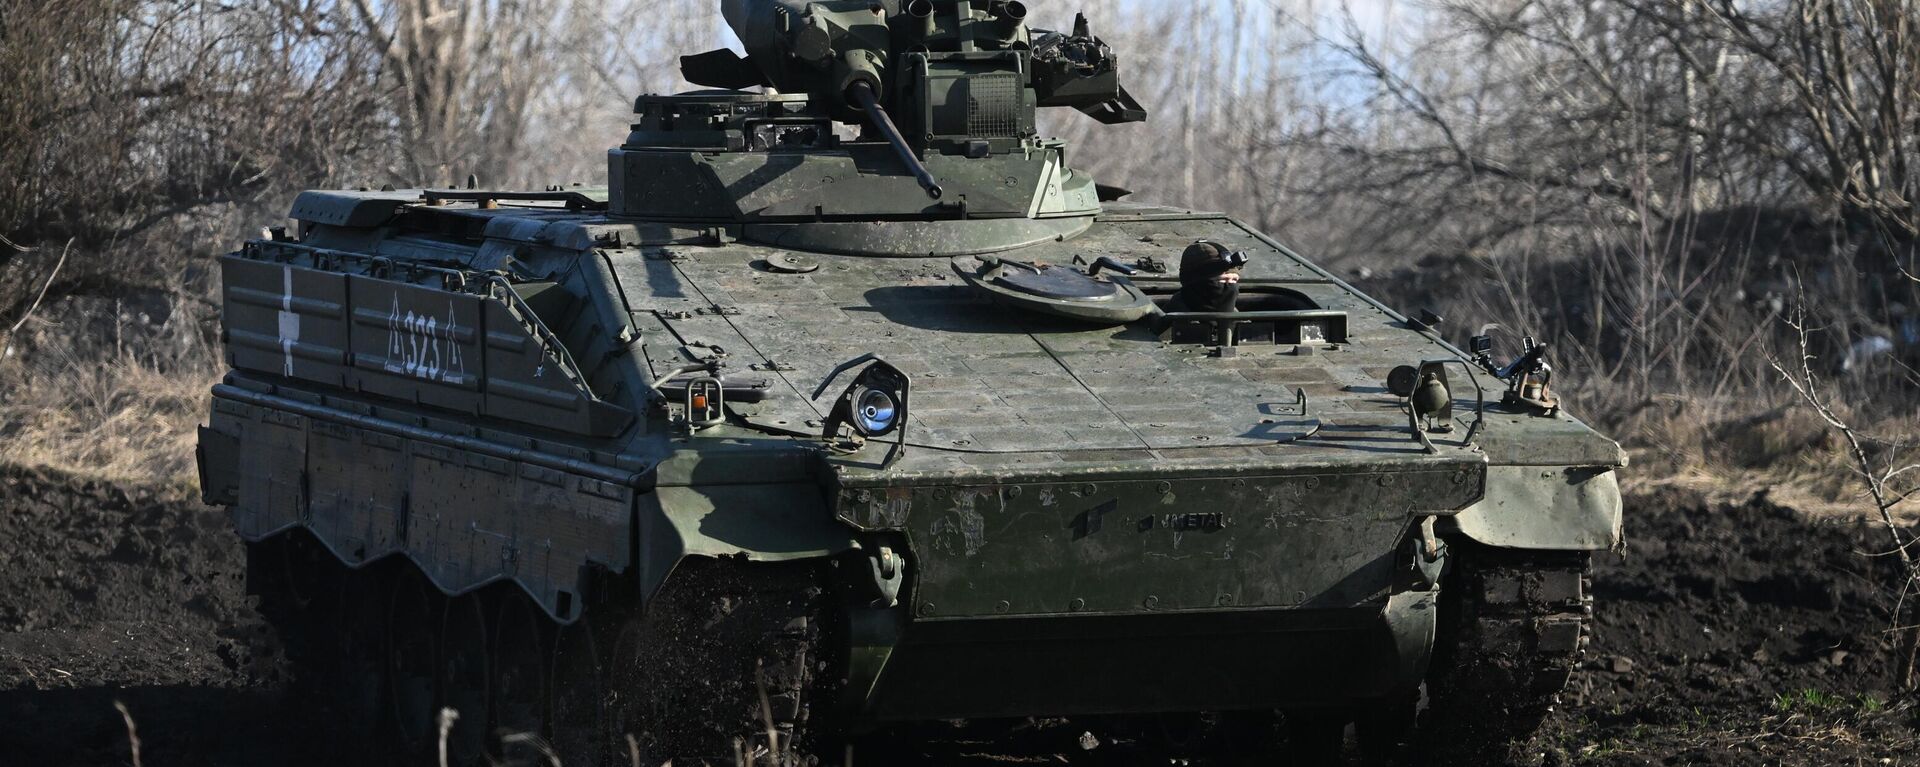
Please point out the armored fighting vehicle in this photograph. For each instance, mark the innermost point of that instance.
(848, 401)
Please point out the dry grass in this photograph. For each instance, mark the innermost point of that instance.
(1730, 451)
(122, 419)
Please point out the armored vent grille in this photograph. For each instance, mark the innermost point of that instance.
(993, 106)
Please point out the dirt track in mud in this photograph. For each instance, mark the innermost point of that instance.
(1729, 635)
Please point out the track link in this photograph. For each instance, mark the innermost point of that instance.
(1513, 628)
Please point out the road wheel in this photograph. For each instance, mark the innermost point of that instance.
(463, 679)
(1316, 736)
(581, 735)
(1383, 729)
(413, 621)
(361, 667)
(522, 655)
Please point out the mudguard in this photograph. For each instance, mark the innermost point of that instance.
(1565, 508)
(761, 523)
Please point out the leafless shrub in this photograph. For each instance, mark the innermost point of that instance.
(1851, 71)
(1889, 470)
(126, 119)
(1223, 82)
(123, 115)
(27, 313)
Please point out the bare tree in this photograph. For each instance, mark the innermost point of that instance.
(606, 54)
(464, 77)
(1851, 76)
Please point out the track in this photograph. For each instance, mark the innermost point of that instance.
(108, 593)
(1513, 628)
(722, 665)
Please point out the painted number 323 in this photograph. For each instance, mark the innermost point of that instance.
(424, 347)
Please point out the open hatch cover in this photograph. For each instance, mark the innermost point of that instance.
(1062, 291)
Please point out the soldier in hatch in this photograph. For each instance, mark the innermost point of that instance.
(1209, 278)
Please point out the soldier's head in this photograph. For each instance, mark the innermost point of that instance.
(1210, 276)
(1207, 262)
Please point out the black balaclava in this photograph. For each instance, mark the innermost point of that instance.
(1199, 265)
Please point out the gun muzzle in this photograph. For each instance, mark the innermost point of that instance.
(921, 13)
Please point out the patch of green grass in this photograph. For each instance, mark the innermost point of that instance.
(1806, 701)
(1812, 701)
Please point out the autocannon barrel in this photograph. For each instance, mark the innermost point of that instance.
(864, 98)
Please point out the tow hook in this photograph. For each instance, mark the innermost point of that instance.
(888, 570)
(1429, 554)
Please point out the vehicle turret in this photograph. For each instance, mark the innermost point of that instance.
(942, 94)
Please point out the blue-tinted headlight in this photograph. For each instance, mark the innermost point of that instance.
(875, 412)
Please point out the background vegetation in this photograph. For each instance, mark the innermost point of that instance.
(1650, 185)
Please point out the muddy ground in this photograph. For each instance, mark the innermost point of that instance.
(1735, 635)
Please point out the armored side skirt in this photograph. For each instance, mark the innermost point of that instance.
(468, 512)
